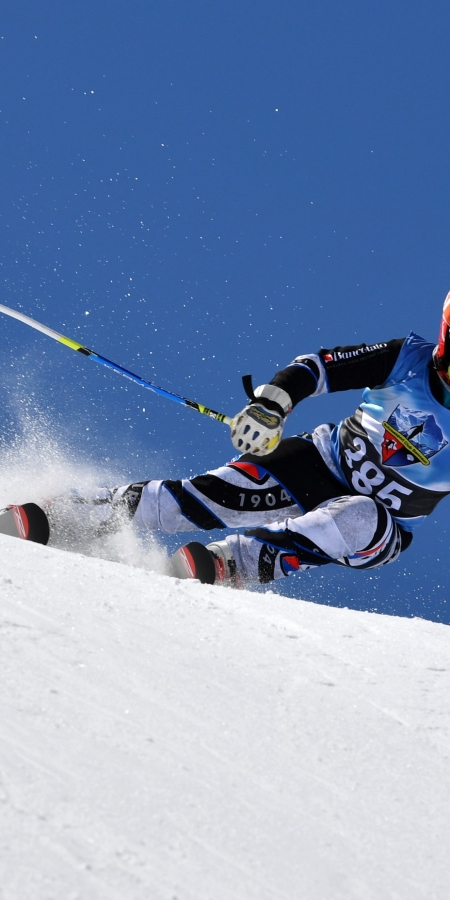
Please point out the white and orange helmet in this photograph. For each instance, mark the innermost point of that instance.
(441, 355)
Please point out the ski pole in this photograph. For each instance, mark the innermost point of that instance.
(96, 357)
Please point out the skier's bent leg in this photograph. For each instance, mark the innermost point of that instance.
(223, 498)
(248, 491)
(351, 531)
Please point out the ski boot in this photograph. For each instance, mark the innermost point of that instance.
(213, 564)
(124, 503)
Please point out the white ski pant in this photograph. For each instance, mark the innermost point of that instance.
(287, 532)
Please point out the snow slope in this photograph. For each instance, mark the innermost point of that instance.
(162, 739)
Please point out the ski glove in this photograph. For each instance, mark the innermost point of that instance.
(259, 427)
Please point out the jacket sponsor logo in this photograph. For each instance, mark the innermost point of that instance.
(410, 436)
(336, 356)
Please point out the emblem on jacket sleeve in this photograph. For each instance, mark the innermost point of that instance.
(410, 436)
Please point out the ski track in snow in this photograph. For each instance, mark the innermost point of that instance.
(162, 739)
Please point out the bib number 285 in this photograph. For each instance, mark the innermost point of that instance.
(367, 476)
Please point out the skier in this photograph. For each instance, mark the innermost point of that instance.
(350, 494)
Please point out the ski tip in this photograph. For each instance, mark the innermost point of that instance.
(27, 522)
(193, 561)
(39, 529)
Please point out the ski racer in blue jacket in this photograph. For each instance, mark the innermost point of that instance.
(350, 494)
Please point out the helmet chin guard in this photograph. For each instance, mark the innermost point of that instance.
(441, 355)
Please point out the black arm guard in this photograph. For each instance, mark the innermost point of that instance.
(339, 369)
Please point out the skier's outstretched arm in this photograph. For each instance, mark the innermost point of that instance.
(258, 428)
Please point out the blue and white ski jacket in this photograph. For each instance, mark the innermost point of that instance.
(396, 446)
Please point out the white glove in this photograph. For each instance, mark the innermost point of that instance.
(259, 427)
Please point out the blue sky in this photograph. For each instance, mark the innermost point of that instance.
(200, 191)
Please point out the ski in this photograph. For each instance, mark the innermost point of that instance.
(192, 561)
(27, 522)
